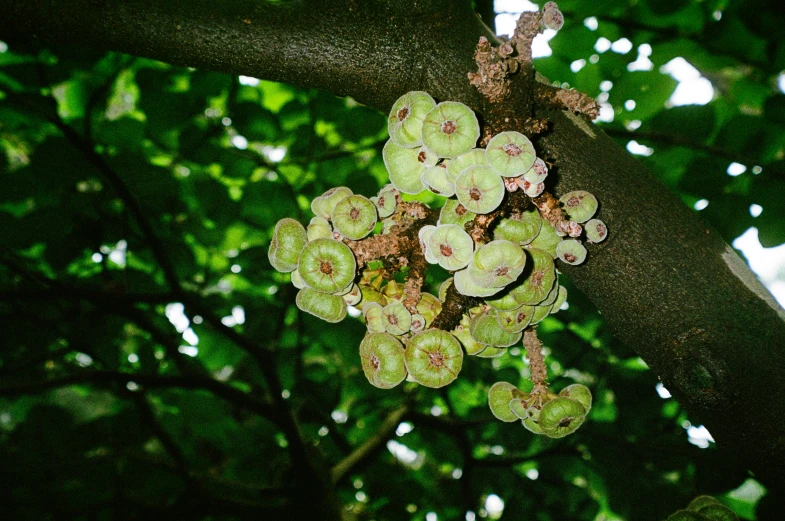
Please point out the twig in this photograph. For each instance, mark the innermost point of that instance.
(539, 373)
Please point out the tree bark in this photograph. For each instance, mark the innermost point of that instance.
(667, 283)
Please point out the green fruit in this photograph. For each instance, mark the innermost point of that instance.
(497, 264)
(425, 237)
(687, 515)
(540, 312)
(537, 173)
(451, 246)
(718, 512)
(479, 189)
(519, 228)
(491, 352)
(596, 231)
(463, 335)
(466, 286)
(434, 358)
(327, 265)
(511, 153)
(453, 212)
(319, 228)
(561, 416)
(475, 156)
(571, 252)
(538, 280)
(580, 393)
(552, 18)
(396, 318)
(297, 280)
(561, 298)
(700, 502)
(372, 312)
(382, 356)
(499, 396)
(354, 296)
(289, 239)
(532, 189)
(429, 307)
(436, 180)
(418, 323)
(516, 320)
(579, 205)
(354, 217)
(330, 308)
(450, 129)
(404, 168)
(427, 158)
(546, 240)
(485, 329)
(324, 204)
(504, 301)
(404, 123)
(531, 426)
(386, 201)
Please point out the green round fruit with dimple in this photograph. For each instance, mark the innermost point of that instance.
(499, 396)
(540, 312)
(596, 231)
(463, 335)
(324, 204)
(517, 406)
(450, 129)
(437, 181)
(546, 240)
(516, 320)
(561, 298)
(403, 167)
(382, 356)
(474, 157)
(354, 217)
(537, 173)
(520, 229)
(453, 212)
(327, 265)
(580, 393)
(354, 296)
(289, 239)
(687, 515)
(330, 308)
(479, 189)
(425, 236)
(451, 246)
(497, 264)
(427, 158)
(510, 153)
(701, 501)
(319, 228)
(579, 205)
(404, 124)
(466, 286)
(372, 313)
(571, 252)
(561, 416)
(504, 302)
(443, 287)
(485, 329)
(371, 295)
(434, 358)
(418, 323)
(386, 201)
(397, 319)
(718, 512)
(531, 426)
(539, 279)
(429, 307)
(491, 352)
(297, 280)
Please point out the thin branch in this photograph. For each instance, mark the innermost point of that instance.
(371, 446)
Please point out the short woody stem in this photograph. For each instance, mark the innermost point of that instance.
(539, 374)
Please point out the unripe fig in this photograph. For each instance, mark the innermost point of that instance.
(354, 296)
(571, 252)
(330, 308)
(372, 313)
(324, 204)
(327, 265)
(580, 393)
(504, 301)
(497, 264)
(718, 512)
(433, 358)
(404, 123)
(479, 189)
(561, 298)
(700, 502)
(466, 286)
(429, 307)
(386, 201)
(510, 153)
(297, 280)
(319, 228)
(475, 156)
(519, 228)
(382, 357)
(538, 280)
(462, 333)
(485, 329)
(596, 231)
(537, 173)
(404, 168)
(396, 318)
(516, 320)
(540, 312)
(451, 246)
(453, 212)
(561, 416)
(491, 352)
(427, 158)
(532, 189)
(580, 205)
(546, 240)
(552, 18)
(418, 323)
(450, 129)
(437, 181)
(531, 426)
(354, 217)
(499, 396)
(289, 239)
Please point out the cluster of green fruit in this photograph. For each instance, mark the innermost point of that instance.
(432, 147)
(704, 508)
(541, 412)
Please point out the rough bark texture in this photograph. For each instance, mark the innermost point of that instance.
(667, 283)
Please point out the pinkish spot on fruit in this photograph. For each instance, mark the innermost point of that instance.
(354, 213)
(445, 249)
(460, 209)
(326, 267)
(402, 114)
(374, 362)
(574, 201)
(421, 157)
(380, 201)
(512, 150)
(501, 272)
(602, 230)
(537, 278)
(448, 127)
(520, 317)
(436, 359)
(392, 319)
(475, 194)
(569, 257)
